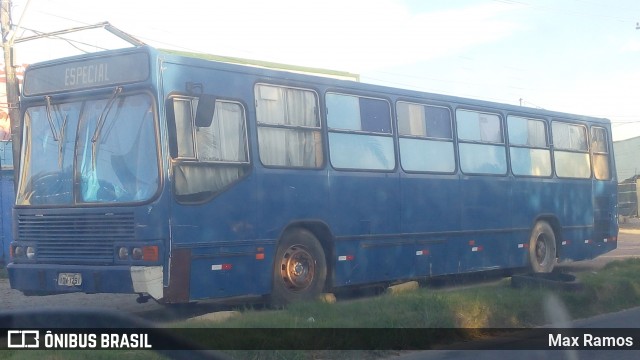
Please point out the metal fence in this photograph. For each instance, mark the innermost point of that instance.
(627, 199)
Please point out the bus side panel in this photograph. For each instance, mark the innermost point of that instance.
(224, 271)
(288, 196)
(365, 215)
(431, 209)
(531, 198)
(485, 213)
(222, 235)
(605, 231)
(576, 220)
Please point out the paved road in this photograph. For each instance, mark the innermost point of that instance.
(628, 246)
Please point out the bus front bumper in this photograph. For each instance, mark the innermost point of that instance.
(46, 279)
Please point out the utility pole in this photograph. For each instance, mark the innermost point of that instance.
(11, 82)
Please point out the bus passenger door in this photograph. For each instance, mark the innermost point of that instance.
(213, 253)
(605, 189)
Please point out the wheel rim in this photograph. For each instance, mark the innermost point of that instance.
(297, 268)
(541, 249)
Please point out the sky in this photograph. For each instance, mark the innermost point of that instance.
(575, 56)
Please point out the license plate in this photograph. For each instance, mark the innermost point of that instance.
(69, 279)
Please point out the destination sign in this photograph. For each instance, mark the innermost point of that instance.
(84, 74)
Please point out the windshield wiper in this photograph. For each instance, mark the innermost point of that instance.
(61, 142)
(54, 132)
(101, 120)
(59, 137)
(105, 113)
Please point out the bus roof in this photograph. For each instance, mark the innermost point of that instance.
(301, 74)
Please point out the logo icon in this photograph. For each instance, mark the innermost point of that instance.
(21, 339)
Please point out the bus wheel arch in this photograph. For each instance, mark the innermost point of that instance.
(300, 267)
(542, 247)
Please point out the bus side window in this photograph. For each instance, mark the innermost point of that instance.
(600, 148)
(212, 157)
(183, 112)
(571, 150)
(288, 127)
(360, 134)
(426, 143)
(481, 143)
(529, 147)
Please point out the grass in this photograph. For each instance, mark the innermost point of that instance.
(3, 273)
(613, 288)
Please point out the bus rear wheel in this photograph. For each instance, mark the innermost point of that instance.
(300, 268)
(542, 248)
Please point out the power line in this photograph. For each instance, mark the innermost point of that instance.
(67, 40)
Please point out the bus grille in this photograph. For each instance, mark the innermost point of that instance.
(76, 238)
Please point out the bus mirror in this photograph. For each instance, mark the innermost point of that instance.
(206, 107)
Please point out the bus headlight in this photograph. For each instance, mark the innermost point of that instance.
(18, 252)
(31, 252)
(123, 253)
(136, 253)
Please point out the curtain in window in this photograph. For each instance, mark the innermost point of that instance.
(537, 135)
(192, 179)
(411, 119)
(600, 148)
(490, 130)
(223, 141)
(184, 130)
(570, 137)
(301, 108)
(286, 146)
(290, 147)
(476, 126)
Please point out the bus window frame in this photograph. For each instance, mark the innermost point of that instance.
(547, 129)
(594, 152)
(390, 134)
(176, 160)
(157, 128)
(320, 129)
(573, 151)
(503, 144)
(451, 140)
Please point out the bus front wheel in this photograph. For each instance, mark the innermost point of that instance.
(542, 248)
(300, 268)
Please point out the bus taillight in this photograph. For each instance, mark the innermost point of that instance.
(150, 253)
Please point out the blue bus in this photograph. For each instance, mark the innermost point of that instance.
(6, 199)
(180, 179)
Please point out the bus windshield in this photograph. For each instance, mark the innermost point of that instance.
(114, 140)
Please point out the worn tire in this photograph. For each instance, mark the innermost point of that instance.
(300, 268)
(542, 248)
